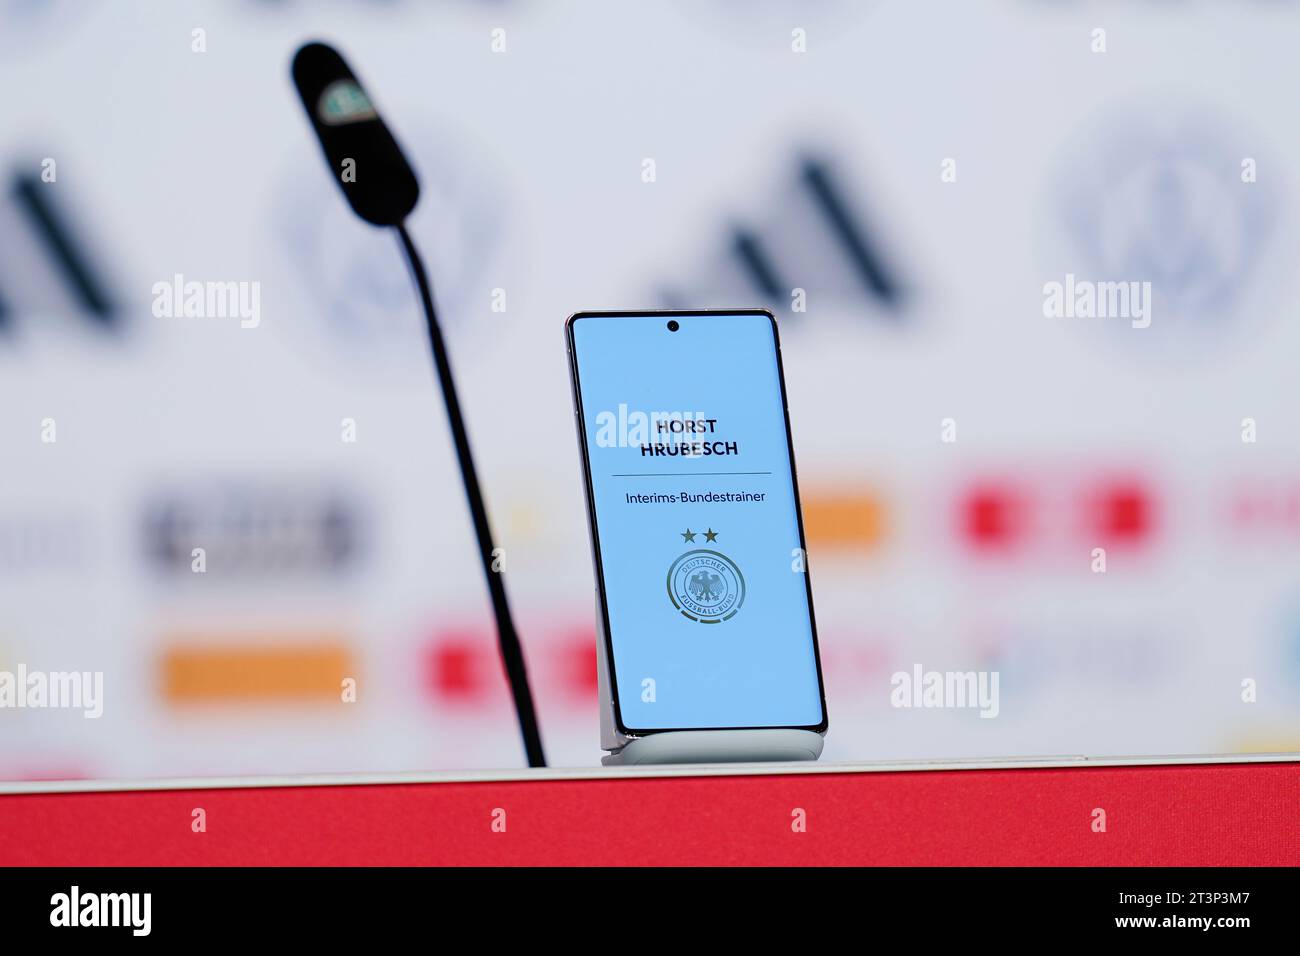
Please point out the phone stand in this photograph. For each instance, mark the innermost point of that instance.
(691, 746)
(718, 746)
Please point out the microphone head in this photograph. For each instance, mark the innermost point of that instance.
(362, 155)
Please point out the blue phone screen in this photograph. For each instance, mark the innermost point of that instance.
(695, 511)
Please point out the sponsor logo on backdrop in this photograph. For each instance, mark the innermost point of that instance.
(33, 539)
(249, 528)
(806, 243)
(1160, 203)
(358, 292)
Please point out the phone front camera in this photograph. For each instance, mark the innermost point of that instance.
(672, 325)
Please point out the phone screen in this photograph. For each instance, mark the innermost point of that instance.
(699, 546)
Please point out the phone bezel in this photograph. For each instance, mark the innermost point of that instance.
(607, 635)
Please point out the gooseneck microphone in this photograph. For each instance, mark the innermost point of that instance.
(381, 187)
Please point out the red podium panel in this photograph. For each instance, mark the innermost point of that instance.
(1194, 815)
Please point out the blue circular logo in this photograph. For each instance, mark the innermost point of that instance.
(706, 586)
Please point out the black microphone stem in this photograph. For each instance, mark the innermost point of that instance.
(512, 654)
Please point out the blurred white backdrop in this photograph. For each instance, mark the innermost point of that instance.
(1162, 159)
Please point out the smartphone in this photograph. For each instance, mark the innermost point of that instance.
(703, 592)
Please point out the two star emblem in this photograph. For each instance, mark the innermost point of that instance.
(689, 536)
